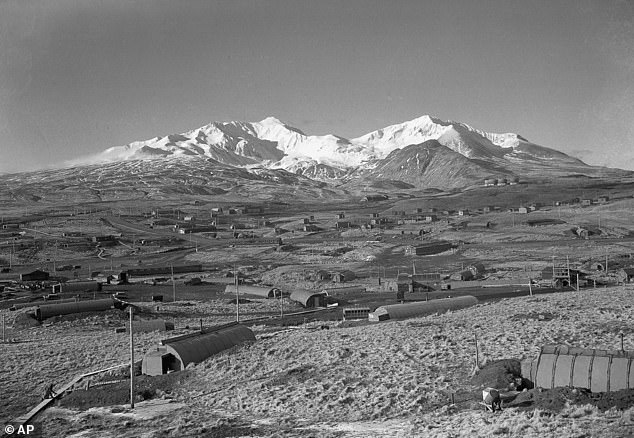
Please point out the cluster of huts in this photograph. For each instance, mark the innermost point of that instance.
(584, 202)
(490, 182)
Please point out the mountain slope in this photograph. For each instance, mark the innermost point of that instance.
(430, 164)
(189, 177)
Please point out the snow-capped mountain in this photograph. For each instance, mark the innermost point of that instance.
(271, 160)
(272, 144)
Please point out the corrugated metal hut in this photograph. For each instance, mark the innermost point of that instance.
(345, 290)
(48, 310)
(421, 308)
(80, 286)
(596, 370)
(430, 248)
(37, 303)
(175, 354)
(36, 275)
(258, 291)
(309, 298)
(150, 325)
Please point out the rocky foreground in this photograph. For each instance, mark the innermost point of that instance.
(399, 378)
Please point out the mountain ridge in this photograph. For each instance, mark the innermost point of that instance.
(274, 144)
(268, 157)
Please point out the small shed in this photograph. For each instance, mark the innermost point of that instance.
(322, 275)
(355, 313)
(404, 283)
(421, 308)
(629, 274)
(309, 298)
(343, 276)
(175, 354)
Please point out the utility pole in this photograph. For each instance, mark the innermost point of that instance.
(235, 276)
(568, 268)
(173, 284)
(281, 305)
(131, 362)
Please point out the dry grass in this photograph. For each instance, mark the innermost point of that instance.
(387, 379)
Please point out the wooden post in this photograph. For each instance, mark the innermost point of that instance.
(622, 334)
(530, 286)
(577, 282)
(3, 337)
(131, 361)
(477, 353)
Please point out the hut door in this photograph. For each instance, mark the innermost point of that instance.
(170, 363)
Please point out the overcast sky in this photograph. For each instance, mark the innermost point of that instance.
(79, 76)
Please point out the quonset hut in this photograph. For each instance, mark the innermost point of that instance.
(49, 310)
(596, 370)
(80, 286)
(175, 354)
(309, 298)
(150, 325)
(258, 291)
(421, 308)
